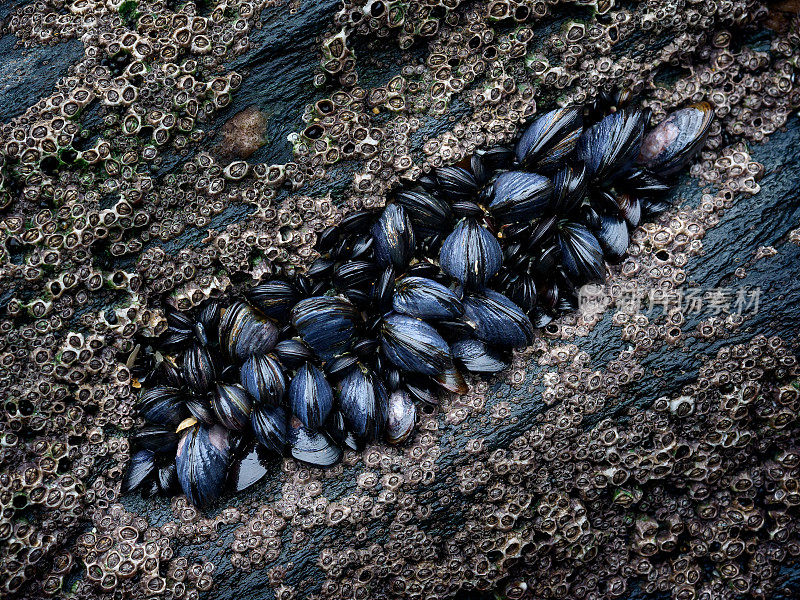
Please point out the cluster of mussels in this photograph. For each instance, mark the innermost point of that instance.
(451, 275)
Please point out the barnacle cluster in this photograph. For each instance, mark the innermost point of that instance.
(123, 186)
(403, 324)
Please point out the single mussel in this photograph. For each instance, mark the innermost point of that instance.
(428, 213)
(162, 405)
(245, 332)
(232, 405)
(200, 369)
(292, 353)
(156, 438)
(613, 237)
(581, 253)
(202, 463)
(519, 196)
(394, 237)
(413, 345)
(401, 417)
(270, 426)
(674, 142)
(141, 466)
(362, 400)
(609, 147)
(263, 378)
(326, 323)
(354, 275)
(498, 320)
(274, 298)
(471, 254)
(456, 183)
(477, 356)
(310, 396)
(313, 447)
(426, 299)
(550, 139)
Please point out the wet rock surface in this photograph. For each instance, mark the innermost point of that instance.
(629, 452)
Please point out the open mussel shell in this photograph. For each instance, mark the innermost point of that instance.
(232, 405)
(142, 464)
(550, 138)
(673, 143)
(477, 357)
(263, 378)
(202, 463)
(362, 400)
(471, 254)
(313, 447)
(274, 298)
(270, 426)
(456, 183)
(326, 323)
(498, 320)
(413, 345)
(394, 237)
(581, 253)
(401, 417)
(427, 212)
(246, 332)
(609, 147)
(156, 438)
(162, 405)
(292, 353)
(426, 299)
(310, 396)
(200, 369)
(519, 196)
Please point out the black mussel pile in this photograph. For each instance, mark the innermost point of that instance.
(448, 278)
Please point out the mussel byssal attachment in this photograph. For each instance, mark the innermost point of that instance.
(450, 276)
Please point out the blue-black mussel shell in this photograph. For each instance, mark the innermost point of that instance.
(471, 254)
(413, 345)
(270, 426)
(263, 378)
(477, 356)
(163, 405)
(232, 405)
(142, 465)
(671, 144)
(326, 323)
(428, 213)
(310, 396)
(202, 463)
(550, 139)
(498, 321)
(200, 369)
(425, 298)
(581, 253)
(456, 183)
(401, 417)
(609, 147)
(313, 447)
(362, 400)
(246, 332)
(613, 237)
(519, 196)
(274, 298)
(394, 237)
